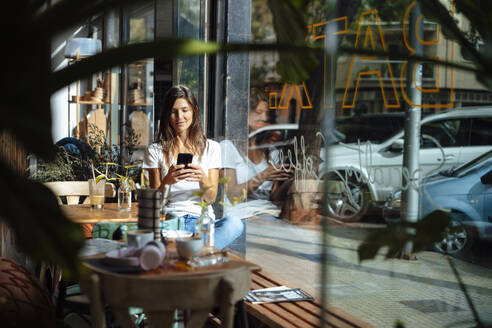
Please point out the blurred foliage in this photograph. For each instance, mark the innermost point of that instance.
(318, 11)
(96, 138)
(138, 30)
(131, 140)
(388, 11)
(261, 21)
(479, 15)
(290, 27)
(65, 167)
(187, 73)
(257, 75)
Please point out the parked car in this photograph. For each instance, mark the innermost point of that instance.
(372, 171)
(466, 193)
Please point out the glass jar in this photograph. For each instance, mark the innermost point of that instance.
(124, 196)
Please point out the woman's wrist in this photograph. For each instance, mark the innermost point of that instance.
(164, 182)
(259, 179)
(163, 185)
(205, 180)
(254, 183)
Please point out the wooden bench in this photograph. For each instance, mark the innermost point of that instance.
(294, 314)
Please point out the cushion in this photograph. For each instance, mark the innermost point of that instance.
(24, 302)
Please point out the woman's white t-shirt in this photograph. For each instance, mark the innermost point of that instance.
(259, 200)
(179, 198)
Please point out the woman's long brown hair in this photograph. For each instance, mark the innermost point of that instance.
(255, 97)
(196, 141)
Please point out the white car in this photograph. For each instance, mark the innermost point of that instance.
(275, 135)
(372, 171)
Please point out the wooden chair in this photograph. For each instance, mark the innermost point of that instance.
(73, 190)
(159, 295)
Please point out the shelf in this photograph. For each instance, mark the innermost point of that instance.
(139, 104)
(89, 102)
(140, 62)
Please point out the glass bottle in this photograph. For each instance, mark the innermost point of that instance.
(204, 228)
(124, 196)
(207, 233)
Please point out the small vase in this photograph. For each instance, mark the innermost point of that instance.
(124, 196)
(204, 228)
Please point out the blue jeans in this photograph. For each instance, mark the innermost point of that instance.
(226, 229)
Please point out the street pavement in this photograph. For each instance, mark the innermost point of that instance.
(420, 293)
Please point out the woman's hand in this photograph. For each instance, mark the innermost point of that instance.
(197, 174)
(208, 182)
(277, 173)
(177, 173)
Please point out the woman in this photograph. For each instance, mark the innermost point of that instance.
(181, 132)
(256, 172)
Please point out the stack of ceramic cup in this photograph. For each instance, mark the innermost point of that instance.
(136, 96)
(149, 210)
(96, 95)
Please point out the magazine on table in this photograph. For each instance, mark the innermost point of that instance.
(277, 294)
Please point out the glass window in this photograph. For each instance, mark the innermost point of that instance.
(375, 128)
(191, 24)
(138, 84)
(367, 96)
(449, 133)
(481, 131)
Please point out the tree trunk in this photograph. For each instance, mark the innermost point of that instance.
(308, 138)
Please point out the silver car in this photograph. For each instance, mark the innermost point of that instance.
(372, 171)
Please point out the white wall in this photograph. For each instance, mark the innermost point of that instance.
(59, 100)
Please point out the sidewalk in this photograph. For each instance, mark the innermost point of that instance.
(422, 293)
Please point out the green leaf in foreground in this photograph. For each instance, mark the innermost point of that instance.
(290, 27)
(422, 234)
(41, 229)
(224, 180)
(201, 192)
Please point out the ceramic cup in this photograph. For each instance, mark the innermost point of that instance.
(189, 248)
(139, 238)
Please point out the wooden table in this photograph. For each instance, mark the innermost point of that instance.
(87, 217)
(161, 291)
(84, 214)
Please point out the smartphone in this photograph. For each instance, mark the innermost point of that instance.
(185, 159)
(286, 161)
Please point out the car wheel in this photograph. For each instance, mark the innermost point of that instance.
(457, 239)
(350, 204)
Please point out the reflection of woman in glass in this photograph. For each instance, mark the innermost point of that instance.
(181, 132)
(254, 171)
